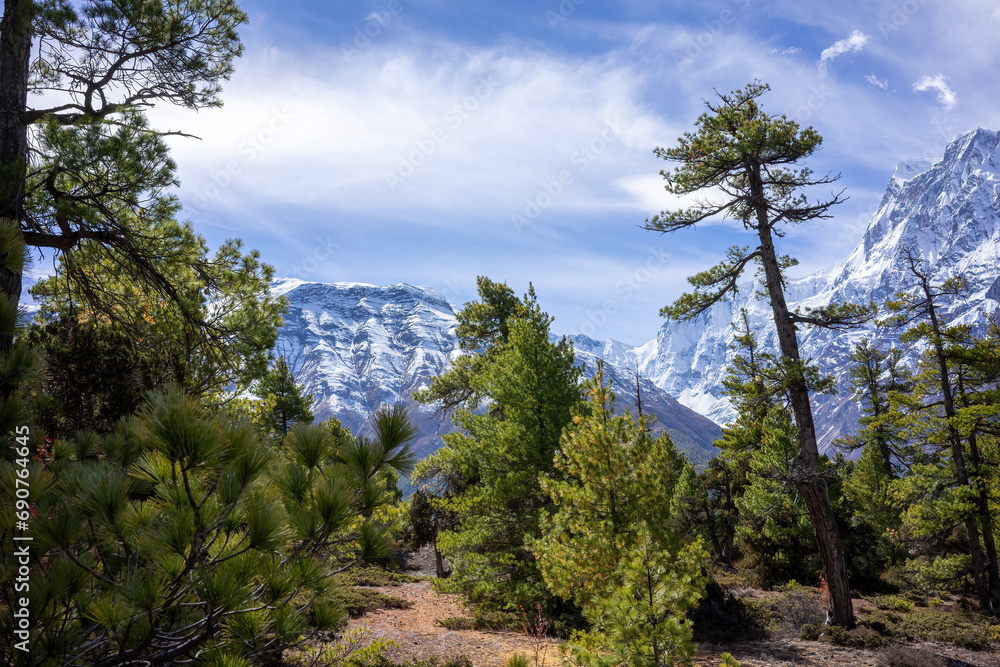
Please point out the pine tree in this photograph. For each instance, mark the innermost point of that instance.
(921, 309)
(886, 453)
(282, 399)
(773, 533)
(97, 171)
(770, 528)
(183, 537)
(750, 155)
(212, 334)
(495, 460)
(608, 544)
(874, 376)
(610, 476)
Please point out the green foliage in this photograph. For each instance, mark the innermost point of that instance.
(97, 374)
(433, 661)
(482, 619)
(518, 660)
(352, 649)
(605, 544)
(21, 364)
(774, 533)
(483, 327)
(963, 628)
(857, 638)
(97, 192)
(873, 511)
(703, 505)
(796, 609)
(373, 575)
(357, 602)
(875, 375)
(183, 532)
(640, 620)
(493, 465)
(280, 402)
(208, 328)
(98, 171)
(750, 155)
(610, 478)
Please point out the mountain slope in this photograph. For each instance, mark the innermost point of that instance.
(948, 211)
(355, 347)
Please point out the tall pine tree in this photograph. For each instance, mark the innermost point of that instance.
(498, 456)
(751, 156)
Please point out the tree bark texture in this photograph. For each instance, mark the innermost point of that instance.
(805, 466)
(957, 451)
(15, 57)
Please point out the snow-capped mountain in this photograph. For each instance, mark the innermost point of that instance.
(947, 210)
(355, 347)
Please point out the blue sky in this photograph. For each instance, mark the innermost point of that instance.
(431, 141)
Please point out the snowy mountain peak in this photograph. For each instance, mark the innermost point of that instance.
(362, 292)
(947, 210)
(356, 346)
(908, 169)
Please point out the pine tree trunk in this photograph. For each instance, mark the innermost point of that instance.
(986, 523)
(438, 559)
(15, 56)
(957, 451)
(805, 466)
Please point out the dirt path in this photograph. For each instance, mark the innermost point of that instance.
(418, 637)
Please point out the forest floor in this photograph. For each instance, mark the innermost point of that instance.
(418, 637)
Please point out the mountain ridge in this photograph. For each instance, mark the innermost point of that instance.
(356, 346)
(948, 210)
(375, 344)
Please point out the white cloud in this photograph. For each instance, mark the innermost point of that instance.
(454, 128)
(648, 195)
(946, 96)
(852, 44)
(790, 51)
(875, 82)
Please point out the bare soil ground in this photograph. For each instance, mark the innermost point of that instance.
(419, 637)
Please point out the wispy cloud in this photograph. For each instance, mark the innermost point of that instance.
(946, 96)
(402, 128)
(875, 82)
(790, 51)
(852, 44)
